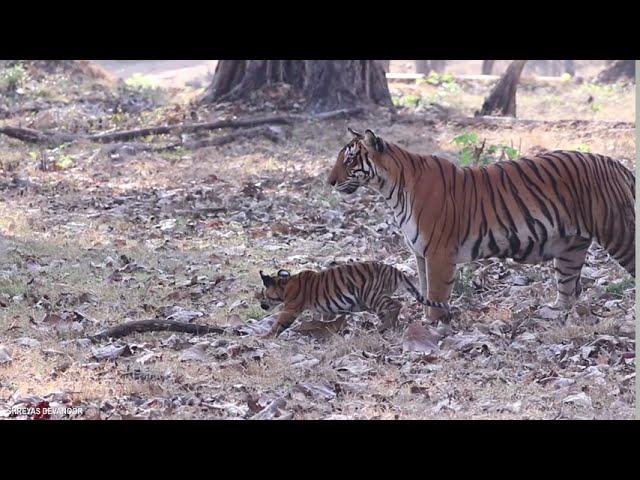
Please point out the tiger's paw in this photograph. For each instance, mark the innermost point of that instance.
(436, 315)
(274, 331)
(552, 311)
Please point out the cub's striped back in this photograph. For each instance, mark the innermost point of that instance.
(350, 287)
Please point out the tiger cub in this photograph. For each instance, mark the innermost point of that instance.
(350, 287)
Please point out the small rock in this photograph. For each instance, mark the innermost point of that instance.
(28, 342)
(519, 280)
(549, 313)
(581, 399)
(5, 354)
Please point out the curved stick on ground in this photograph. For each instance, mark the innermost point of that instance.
(155, 325)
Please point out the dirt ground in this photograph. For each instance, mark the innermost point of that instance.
(90, 239)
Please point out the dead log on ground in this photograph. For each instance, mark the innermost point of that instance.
(140, 326)
(511, 122)
(132, 148)
(31, 135)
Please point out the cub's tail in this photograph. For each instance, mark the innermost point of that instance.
(410, 287)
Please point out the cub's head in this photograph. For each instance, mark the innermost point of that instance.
(355, 165)
(273, 291)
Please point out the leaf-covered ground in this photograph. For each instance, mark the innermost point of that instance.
(90, 239)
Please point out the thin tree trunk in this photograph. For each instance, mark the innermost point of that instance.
(438, 65)
(427, 66)
(569, 67)
(487, 66)
(422, 66)
(618, 70)
(502, 99)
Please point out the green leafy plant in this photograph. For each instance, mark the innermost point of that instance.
(463, 284)
(472, 152)
(64, 161)
(435, 78)
(409, 100)
(467, 143)
(141, 82)
(618, 288)
(582, 147)
(12, 77)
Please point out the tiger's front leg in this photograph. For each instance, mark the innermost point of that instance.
(441, 272)
(421, 264)
(284, 321)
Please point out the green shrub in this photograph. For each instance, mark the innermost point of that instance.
(472, 152)
(12, 77)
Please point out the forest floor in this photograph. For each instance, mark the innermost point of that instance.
(91, 238)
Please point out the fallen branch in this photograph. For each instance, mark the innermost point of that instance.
(31, 135)
(516, 122)
(344, 112)
(188, 128)
(155, 325)
(131, 148)
(507, 122)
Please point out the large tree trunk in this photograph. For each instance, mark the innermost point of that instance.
(618, 70)
(344, 84)
(385, 64)
(487, 66)
(235, 79)
(427, 66)
(325, 84)
(502, 99)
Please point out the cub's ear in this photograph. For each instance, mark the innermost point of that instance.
(355, 134)
(284, 273)
(373, 141)
(266, 279)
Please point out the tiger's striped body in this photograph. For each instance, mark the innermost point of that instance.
(550, 206)
(350, 287)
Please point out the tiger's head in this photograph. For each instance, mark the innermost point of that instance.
(356, 165)
(273, 291)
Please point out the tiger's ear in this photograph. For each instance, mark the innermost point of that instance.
(373, 141)
(355, 134)
(266, 279)
(284, 273)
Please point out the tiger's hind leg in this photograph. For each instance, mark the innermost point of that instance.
(387, 309)
(568, 267)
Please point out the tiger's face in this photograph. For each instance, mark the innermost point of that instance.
(355, 165)
(273, 291)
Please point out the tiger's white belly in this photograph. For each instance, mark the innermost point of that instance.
(554, 246)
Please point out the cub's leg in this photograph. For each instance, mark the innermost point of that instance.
(440, 277)
(387, 309)
(422, 276)
(568, 267)
(284, 321)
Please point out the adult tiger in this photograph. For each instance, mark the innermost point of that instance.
(549, 206)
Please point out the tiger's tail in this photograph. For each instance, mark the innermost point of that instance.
(411, 288)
